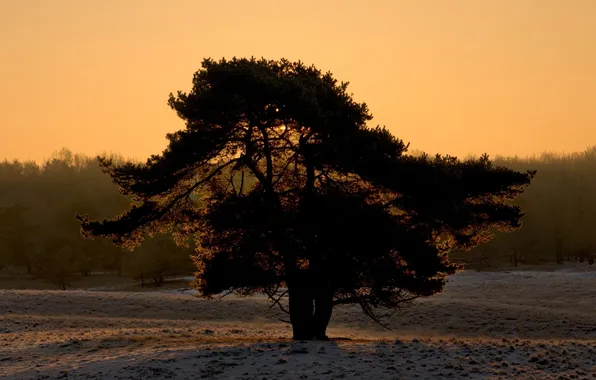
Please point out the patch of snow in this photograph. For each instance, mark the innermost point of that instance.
(485, 325)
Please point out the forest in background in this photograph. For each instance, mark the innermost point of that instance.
(560, 211)
(39, 234)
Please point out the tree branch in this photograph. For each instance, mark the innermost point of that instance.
(202, 182)
(276, 301)
(267, 151)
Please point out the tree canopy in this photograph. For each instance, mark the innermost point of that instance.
(287, 190)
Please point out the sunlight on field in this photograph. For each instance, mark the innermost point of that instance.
(523, 324)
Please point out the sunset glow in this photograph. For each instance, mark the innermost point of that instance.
(463, 76)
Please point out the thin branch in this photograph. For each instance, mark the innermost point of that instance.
(276, 301)
(232, 182)
(248, 159)
(253, 167)
(283, 171)
(267, 151)
(289, 191)
(369, 312)
(185, 194)
(227, 293)
(242, 183)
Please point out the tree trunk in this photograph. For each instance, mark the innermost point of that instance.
(323, 309)
(301, 311)
(310, 322)
(559, 251)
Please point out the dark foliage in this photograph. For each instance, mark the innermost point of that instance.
(298, 193)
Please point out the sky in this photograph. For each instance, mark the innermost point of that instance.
(506, 77)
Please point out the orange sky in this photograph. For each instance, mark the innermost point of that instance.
(452, 76)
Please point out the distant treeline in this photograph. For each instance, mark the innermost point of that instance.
(560, 207)
(40, 236)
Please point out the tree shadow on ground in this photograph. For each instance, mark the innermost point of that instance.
(162, 357)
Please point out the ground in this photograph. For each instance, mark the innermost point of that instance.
(486, 325)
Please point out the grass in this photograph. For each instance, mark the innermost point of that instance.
(100, 280)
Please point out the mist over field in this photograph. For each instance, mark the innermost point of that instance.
(41, 239)
(135, 313)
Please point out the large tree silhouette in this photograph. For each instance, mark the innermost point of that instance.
(287, 191)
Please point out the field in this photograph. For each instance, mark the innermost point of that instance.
(486, 325)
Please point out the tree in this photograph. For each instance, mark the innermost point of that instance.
(287, 191)
(17, 248)
(159, 257)
(58, 262)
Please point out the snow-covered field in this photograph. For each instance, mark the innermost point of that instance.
(492, 325)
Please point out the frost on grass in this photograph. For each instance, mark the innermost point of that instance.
(485, 325)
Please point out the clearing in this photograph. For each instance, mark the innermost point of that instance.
(486, 325)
